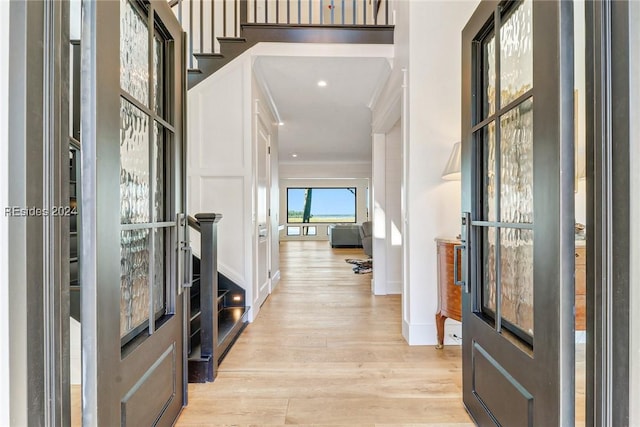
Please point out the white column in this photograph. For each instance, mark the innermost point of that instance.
(378, 195)
(393, 227)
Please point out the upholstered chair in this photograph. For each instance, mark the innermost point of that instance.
(366, 236)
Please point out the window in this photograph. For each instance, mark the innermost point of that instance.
(321, 205)
(293, 231)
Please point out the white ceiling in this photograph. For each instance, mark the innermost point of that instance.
(323, 124)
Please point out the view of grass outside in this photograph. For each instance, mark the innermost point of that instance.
(321, 205)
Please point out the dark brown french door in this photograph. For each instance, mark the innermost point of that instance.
(518, 220)
(132, 185)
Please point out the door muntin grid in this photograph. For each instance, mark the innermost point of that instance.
(146, 140)
(503, 147)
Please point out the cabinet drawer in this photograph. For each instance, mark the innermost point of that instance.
(449, 295)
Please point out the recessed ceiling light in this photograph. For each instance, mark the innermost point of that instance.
(280, 123)
(322, 83)
(294, 155)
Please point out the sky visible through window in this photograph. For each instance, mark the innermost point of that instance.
(327, 204)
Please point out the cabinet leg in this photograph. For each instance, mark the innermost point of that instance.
(440, 318)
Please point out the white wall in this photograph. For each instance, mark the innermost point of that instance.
(75, 19)
(221, 172)
(220, 166)
(427, 73)
(324, 170)
(434, 105)
(580, 88)
(4, 222)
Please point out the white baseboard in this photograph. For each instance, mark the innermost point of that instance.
(253, 312)
(275, 279)
(391, 288)
(377, 288)
(394, 287)
(419, 333)
(426, 334)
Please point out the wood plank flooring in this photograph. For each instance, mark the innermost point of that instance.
(324, 351)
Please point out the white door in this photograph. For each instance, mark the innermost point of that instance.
(262, 284)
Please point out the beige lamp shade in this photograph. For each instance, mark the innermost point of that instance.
(452, 170)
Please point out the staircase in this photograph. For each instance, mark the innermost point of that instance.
(218, 31)
(221, 30)
(217, 311)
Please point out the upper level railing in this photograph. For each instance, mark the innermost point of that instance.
(207, 20)
(319, 12)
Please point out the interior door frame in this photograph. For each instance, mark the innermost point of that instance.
(39, 255)
(611, 84)
(261, 115)
(101, 104)
(554, 405)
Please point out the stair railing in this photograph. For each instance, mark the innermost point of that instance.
(207, 20)
(206, 224)
(319, 12)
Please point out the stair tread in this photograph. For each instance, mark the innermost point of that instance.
(208, 55)
(228, 318)
(194, 71)
(232, 39)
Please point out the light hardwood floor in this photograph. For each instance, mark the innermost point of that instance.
(324, 351)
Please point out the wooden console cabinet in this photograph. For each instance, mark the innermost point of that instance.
(450, 296)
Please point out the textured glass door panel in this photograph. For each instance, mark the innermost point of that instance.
(134, 279)
(134, 165)
(134, 53)
(516, 164)
(489, 270)
(516, 277)
(159, 256)
(516, 53)
(489, 172)
(489, 68)
(159, 172)
(158, 76)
